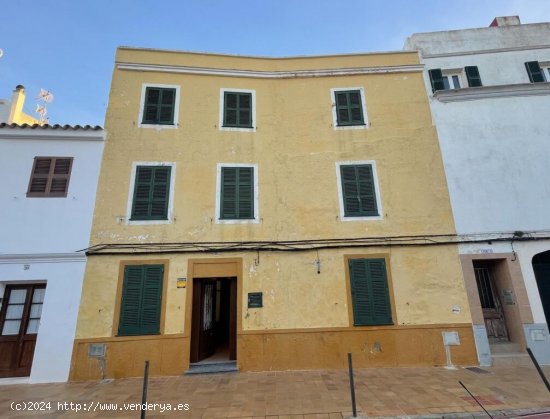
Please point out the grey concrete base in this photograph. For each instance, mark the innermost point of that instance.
(538, 339)
(482, 345)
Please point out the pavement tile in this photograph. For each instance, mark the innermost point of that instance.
(380, 392)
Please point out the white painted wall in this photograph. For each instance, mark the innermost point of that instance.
(46, 225)
(54, 343)
(496, 149)
(40, 236)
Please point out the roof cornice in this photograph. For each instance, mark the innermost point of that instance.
(269, 74)
(58, 132)
(29, 258)
(489, 92)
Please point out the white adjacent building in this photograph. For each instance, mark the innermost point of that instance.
(47, 197)
(489, 90)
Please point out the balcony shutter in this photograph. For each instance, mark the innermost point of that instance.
(436, 79)
(534, 71)
(472, 74)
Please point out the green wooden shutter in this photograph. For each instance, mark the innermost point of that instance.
(472, 74)
(237, 110)
(151, 299)
(159, 106)
(130, 306)
(370, 293)
(237, 193)
(534, 71)
(349, 109)
(358, 191)
(141, 300)
(151, 193)
(436, 79)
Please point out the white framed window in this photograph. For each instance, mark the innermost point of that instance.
(159, 106)
(349, 109)
(237, 199)
(545, 68)
(454, 79)
(151, 197)
(358, 191)
(237, 110)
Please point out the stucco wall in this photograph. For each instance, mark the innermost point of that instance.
(52, 354)
(295, 296)
(46, 225)
(295, 148)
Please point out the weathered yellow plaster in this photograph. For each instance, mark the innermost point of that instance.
(295, 148)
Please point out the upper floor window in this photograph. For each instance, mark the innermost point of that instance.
(50, 177)
(454, 78)
(538, 72)
(159, 105)
(237, 110)
(237, 200)
(151, 199)
(349, 108)
(359, 197)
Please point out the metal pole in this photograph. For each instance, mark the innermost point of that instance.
(145, 384)
(352, 385)
(537, 366)
(473, 397)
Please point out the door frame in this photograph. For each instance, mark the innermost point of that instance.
(214, 268)
(20, 338)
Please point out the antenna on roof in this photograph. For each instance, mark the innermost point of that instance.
(44, 97)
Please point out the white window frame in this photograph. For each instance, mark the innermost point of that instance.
(335, 125)
(175, 125)
(545, 68)
(459, 72)
(380, 215)
(222, 105)
(256, 218)
(170, 215)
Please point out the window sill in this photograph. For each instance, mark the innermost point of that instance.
(355, 126)
(237, 221)
(158, 126)
(148, 222)
(362, 218)
(46, 196)
(238, 129)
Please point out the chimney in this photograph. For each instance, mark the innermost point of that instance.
(17, 102)
(505, 21)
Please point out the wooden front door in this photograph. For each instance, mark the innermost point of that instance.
(19, 321)
(214, 319)
(493, 314)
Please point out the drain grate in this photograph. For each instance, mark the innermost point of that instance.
(478, 370)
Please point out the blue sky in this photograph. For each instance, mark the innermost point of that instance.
(68, 46)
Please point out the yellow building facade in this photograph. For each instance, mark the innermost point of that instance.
(272, 213)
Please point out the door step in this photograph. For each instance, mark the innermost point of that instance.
(518, 359)
(212, 367)
(506, 348)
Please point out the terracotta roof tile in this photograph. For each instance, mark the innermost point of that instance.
(53, 127)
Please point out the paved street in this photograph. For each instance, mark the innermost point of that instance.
(297, 394)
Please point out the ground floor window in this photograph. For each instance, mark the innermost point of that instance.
(140, 307)
(369, 292)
